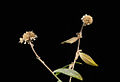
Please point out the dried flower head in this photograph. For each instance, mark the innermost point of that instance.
(87, 19)
(28, 37)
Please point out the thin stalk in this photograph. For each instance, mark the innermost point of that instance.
(38, 57)
(78, 47)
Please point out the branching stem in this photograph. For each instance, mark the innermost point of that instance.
(78, 48)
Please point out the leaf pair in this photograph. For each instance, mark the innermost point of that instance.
(87, 59)
(65, 70)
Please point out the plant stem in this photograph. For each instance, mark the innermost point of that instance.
(38, 57)
(78, 47)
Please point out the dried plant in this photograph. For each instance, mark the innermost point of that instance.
(30, 36)
(87, 20)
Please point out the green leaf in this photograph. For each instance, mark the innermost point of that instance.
(69, 72)
(57, 73)
(59, 81)
(66, 67)
(87, 59)
(78, 63)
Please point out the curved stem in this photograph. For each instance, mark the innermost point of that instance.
(78, 47)
(38, 57)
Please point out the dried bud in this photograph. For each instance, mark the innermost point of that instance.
(87, 19)
(27, 37)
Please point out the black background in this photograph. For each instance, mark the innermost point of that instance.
(54, 24)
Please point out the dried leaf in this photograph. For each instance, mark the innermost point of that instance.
(87, 59)
(71, 40)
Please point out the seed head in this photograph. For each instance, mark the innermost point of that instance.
(87, 19)
(28, 37)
